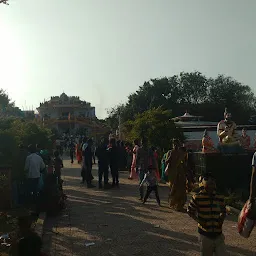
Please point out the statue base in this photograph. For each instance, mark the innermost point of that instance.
(232, 171)
(230, 148)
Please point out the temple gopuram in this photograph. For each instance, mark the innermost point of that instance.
(69, 114)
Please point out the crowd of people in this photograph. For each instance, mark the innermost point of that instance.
(143, 163)
(176, 167)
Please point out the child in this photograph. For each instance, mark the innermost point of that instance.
(58, 165)
(27, 242)
(52, 197)
(208, 209)
(151, 179)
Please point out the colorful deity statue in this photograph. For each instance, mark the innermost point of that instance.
(245, 140)
(207, 143)
(226, 130)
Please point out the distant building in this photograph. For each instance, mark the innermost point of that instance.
(69, 114)
(28, 114)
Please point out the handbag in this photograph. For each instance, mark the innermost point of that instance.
(245, 224)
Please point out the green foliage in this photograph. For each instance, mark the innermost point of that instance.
(189, 91)
(156, 125)
(7, 107)
(30, 133)
(13, 134)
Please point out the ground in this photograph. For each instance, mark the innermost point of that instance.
(119, 225)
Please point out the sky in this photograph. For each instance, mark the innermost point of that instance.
(103, 50)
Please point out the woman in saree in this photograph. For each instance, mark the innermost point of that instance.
(177, 171)
(133, 173)
(163, 167)
(207, 143)
(78, 152)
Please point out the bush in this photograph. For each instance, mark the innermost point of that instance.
(156, 125)
(17, 132)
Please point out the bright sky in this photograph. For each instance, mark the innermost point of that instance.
(102, 50)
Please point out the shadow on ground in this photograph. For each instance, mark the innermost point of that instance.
(116, 222)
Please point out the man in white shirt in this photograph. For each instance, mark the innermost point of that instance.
(34, 166)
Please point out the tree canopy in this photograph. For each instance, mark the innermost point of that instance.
(7, 107)
(193, 92)
(153, 124)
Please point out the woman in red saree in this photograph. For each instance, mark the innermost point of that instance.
(79, 153)
(207, 143)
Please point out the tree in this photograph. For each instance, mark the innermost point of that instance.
(156, 125)
(4, 2)
(192, 92)
(193, 88)
(7, 107)
(15, 136)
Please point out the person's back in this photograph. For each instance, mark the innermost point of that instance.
(51, 196)
(113, 156)
(114, 161)
(150, 178)
(34, 164)
(58, 164)
(88, 156)
(208, 209)
(102, 154)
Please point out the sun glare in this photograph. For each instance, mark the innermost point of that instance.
(12, 62)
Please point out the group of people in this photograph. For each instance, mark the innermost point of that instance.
(207, 207)
(44, 183)
(177, 169)
(110, 154)
(43, 193)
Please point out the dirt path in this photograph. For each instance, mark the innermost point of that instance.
(120, 225)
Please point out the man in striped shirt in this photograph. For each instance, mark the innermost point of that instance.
(208, 209)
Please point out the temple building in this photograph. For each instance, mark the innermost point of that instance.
(69, 114)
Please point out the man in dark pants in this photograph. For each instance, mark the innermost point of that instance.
(34, 166)
(102, 155)
(72, 151)
(113, 162)
(87, 164)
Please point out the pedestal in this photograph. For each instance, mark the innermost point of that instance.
(232, 171)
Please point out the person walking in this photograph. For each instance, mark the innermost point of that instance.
(208, 209)
(87, 164)
(72, 149)
(103, 162)
(151, 179)
(133, 173)
(145, 160)
(58, 165)
(177, 176)
(34, 165)
(114, 162)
